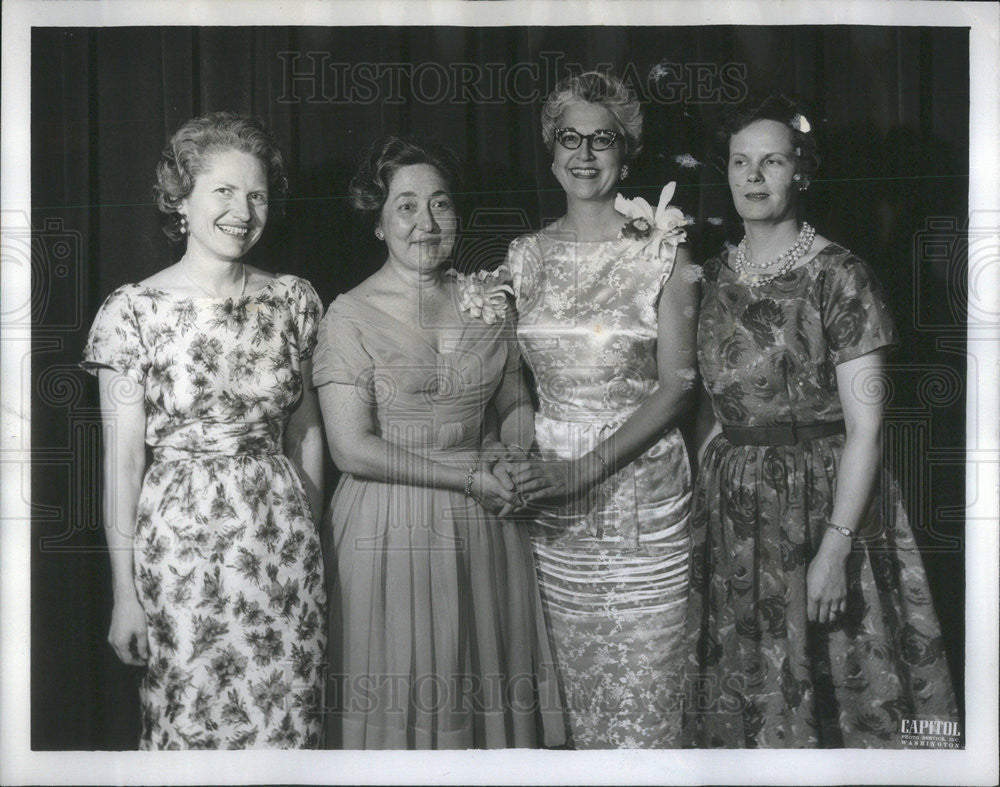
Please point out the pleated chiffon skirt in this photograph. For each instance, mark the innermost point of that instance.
(437, 637)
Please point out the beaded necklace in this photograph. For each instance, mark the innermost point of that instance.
(747, 269)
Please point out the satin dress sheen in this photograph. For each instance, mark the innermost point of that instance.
(613, 568)
(436, 627)
(227, 557)
(759, 674)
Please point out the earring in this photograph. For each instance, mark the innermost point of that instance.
(796, 176)
(624, 172)
(379, 234)
(182, 224)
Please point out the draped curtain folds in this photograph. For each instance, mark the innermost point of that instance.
(891, 106)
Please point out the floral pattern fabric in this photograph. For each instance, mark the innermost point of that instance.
(759, 674)
(612, 570)
(227, 558)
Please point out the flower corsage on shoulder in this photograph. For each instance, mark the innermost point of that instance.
(483, 294)
(649, 229)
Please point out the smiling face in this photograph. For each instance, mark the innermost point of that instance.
(227, 208)
(761, 171)
(585, 173)
(418, 218)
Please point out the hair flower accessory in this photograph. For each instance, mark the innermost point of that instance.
(651, 228)
(483, 294)
(799, 123)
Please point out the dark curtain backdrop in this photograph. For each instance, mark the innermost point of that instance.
(891, 106)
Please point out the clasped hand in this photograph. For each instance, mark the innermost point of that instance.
(514, 481)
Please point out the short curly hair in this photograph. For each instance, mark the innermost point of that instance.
(185, 157)
(369, 188)
(777, 107)
(595, 87)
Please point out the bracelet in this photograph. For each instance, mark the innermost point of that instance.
(600, 458)
(844, 531)
(469, 479)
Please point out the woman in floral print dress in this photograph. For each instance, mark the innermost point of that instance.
(216, 565)
(810, 623)
(606, 322)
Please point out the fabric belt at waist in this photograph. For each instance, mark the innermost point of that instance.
(163, 454)
(782, 434)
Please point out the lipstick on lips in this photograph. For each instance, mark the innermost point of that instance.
(234, 230)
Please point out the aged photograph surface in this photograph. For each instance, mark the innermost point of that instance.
(540, 379)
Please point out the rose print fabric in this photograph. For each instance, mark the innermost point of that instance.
(758, 674)
(437, 632)
(227, 558)
(612, 570)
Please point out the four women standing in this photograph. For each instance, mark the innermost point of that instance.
(809, 621)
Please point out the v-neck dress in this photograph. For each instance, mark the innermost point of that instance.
(227, 556)
(436, 627)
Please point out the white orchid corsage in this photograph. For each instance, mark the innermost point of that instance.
(483, 294)
(649, 229)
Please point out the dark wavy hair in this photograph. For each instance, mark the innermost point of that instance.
(185, 157)
(369, 188)
(778, 107)
(595, 87)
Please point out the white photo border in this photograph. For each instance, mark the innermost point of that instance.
(976, 764)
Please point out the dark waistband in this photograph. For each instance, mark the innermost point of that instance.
(169, 454)
(781, 434)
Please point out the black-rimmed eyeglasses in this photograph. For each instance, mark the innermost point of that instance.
(571, 139)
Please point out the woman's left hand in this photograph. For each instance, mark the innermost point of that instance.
(552, 483)
(826, 586)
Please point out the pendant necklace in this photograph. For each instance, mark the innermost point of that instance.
(188, 276)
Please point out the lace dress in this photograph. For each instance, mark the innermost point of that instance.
(227, 558)
(760, 675)
(437, 631)
(613, 570)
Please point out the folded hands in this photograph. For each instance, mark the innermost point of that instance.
(513, 481)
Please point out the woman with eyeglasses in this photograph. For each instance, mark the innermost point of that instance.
(606, 322)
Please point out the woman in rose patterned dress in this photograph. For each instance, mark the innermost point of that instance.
(437, 631)
(216, 564)
(810, 622)
(606, 322)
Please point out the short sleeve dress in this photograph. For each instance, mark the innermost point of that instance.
(228, 566)
(613, 568)
(758, 674)
(437, 632)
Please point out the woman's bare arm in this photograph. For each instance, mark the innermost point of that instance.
(826, 579)
(676, 356)
(303, 443)
(123, 418)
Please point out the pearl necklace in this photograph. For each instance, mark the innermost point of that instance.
(784, 263)
(187, 276)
